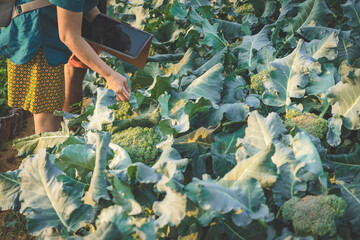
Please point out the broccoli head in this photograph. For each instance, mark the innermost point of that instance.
(139, 142)
(310, 122)
(257, 81)
(125, 111)
(314, 215)
(245, 9)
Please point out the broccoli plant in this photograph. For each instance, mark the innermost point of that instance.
(139, 142)
(310, 122)
(314, 215)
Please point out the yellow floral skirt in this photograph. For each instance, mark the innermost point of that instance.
(36, 86)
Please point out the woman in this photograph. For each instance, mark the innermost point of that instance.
(38, 44)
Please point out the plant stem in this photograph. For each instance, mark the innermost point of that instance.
(264, 224)
(324, 110)
(233, 231)
(232, 123)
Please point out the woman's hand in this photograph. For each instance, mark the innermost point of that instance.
(119, 85)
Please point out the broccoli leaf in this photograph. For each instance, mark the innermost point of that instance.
(10, 189)
(258, 166)
(259, 134)
(223, 152)
(246, 202)
(306, 12)
(325, 47)
(112, 223)
(346, 166)
(345, 98)
(197, 141)
(186, 64)
(80, 157)
(351, 194)
(250, 45)
(171, 210)
(98, 184)
(102, 114)
(48, 202)
(209, 85)
(290, 77)
(33, 144)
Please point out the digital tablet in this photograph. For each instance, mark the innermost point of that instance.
(116, 36)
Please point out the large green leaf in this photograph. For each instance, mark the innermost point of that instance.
(113, 223)
(102, 114)
(351, 194)
(173, 115)
(178, 10)
(351, 10)
(264, 8)
(223, 152)
(98, 184)
(48, 202)
(197, 141)
(288, 184)
(345, 97)
(259, 166)
(333, 136)
(161, 85)
(80, 157)
(319, 84)
(208, 85)
(231, 30)
(305, 151)
(246, 202)
(290, 77)
(212, 37)
(346, 49)
(346, 166)
(325, 47)
(123, 196)
(171, 210)
(121, 158)
(186, 64)
(234, 89)
(145, 77)
(9, 190)
(260, 133)
(247, 57)
(217, 58)
(33, 144)
(308, 12)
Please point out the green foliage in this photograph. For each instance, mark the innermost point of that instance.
(220, 76)
(139, 142)
(310, 122)
(314, 215)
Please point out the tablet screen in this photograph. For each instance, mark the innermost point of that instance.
(116, 35)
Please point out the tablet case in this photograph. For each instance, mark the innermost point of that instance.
(139, 59)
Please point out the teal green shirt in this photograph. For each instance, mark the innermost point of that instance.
(26, 33)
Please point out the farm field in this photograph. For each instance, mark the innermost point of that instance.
(242, 125)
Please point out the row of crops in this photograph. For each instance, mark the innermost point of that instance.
(243, 125)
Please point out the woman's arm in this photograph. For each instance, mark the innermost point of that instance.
(69, 24)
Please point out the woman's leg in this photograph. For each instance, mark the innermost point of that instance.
(73, 88)
(46, 122)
